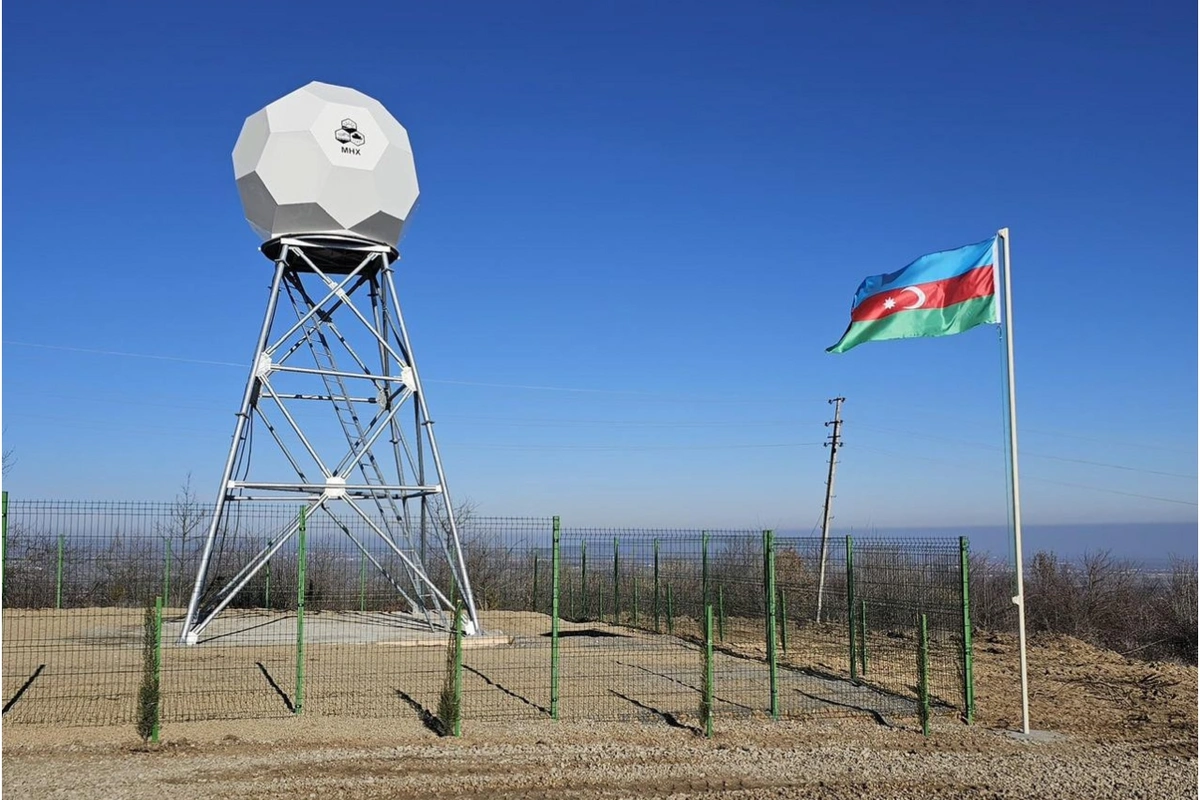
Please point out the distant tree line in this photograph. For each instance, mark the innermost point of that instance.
(1107, 601)
(1110, 602)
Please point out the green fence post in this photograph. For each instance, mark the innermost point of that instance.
(362, 581)
(301, 585)
(709, 693)
(555, 566)
(158, 637)
(704, 568)
(769, 592)
(458, 668)
(850, 606)
(670, 611)
(964, 566)
(721, 611)
(923, 674)
(3, 542)
(58, 570)
(616, 581)
(583, 594)
(783, 619)
(533, 595)
(657, 623)
(862, 635)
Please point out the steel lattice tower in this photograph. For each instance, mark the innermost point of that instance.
(333, 387)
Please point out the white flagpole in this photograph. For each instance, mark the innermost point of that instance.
(1014, 476)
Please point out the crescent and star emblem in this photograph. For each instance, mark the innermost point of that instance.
(919, 294)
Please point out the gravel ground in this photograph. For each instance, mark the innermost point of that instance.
(86, 665)
(846, 759)
(1123, 729)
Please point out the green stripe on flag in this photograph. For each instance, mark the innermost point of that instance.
(921, 322)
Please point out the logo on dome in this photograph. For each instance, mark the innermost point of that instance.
(350, 137)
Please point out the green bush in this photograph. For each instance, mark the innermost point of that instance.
(149, 693)
(450, 701)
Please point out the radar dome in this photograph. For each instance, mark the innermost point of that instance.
(326, 160)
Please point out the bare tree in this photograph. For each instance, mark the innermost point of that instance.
(186, 515)
(1178, 614)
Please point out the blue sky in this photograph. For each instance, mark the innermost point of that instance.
(640, 226)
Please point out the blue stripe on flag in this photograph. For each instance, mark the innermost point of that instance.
(932, 267)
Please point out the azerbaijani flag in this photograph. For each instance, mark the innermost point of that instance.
(939, 294)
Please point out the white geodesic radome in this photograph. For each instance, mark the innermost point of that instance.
(326, 159)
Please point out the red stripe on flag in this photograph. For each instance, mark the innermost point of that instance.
(979, 282)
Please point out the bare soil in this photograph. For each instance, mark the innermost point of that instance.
(1121, 729)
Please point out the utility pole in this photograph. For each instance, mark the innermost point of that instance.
(835, 440)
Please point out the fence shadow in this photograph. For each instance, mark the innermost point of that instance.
(238, 631)
(287, 701)
(427, 717)
(665, 716)
(874, 713)
(591, 633)
(24, 687)
(506, 690)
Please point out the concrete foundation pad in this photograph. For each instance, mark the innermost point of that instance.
(439, 639)
(258, 628)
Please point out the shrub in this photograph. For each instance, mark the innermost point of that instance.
(450, 701)
(149, 693)
(1109, 602)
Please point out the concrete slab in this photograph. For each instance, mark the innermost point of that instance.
(260, 628)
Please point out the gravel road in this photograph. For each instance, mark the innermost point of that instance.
(830, 759)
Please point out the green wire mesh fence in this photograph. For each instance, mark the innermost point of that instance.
(630, 634)
(77, 576)
(641, 597)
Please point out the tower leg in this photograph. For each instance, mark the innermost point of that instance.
(249, 399)
(464, 580)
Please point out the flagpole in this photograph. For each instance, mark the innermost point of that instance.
(1014, 477)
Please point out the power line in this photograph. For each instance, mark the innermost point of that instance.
(98, 352)
(1114, 491)
(536, 387)
(690, 398)
(166, 401)
(1027, 477)
(942, 418)
(147, 401)
(176, 402)
(75, 422)
(982, 446)
(632, 423)
(619, 448)
(667, 397)
(1110, 466)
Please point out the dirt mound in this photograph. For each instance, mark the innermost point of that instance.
(1085, 690)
